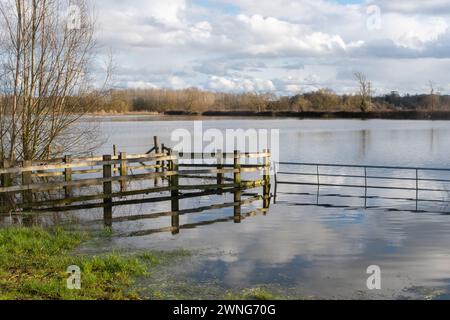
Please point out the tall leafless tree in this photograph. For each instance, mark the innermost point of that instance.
(365, 91)
(434, 95)
(46, 50)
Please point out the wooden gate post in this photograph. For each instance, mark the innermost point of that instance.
(123, 171)
(163, 163)
(27, 195)
(266, 177)
(107, 191)
(220, 166)
(114, 155)
(237, 182)
(158, 163)
(175, 223)
(5, 182)
(67, 176)
(175, 201)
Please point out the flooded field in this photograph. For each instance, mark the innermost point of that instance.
(305, 246)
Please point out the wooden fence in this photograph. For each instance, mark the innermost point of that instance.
(107, 181)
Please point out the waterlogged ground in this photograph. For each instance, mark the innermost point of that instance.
(324, 256)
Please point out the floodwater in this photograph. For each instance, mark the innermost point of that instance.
(306, 250)
(300, 249)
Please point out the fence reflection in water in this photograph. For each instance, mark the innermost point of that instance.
(109, 181)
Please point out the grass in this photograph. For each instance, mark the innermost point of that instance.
(33, 264)
(34, 261)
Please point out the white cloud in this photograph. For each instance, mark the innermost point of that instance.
(165, 12)
(294, 10)
(270, 35)
(415, 6)
(181, 42)
(227, 84)
(141, 85)
(201, 30)
(294, 88)
(153, 23)
(177, 82)
(413, 32)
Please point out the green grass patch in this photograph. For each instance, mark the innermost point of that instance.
(33, 264)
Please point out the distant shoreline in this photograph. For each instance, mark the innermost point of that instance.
(387, 115)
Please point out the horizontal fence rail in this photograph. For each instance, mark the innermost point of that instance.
(161, 175)
(410, 179)
(361, 166)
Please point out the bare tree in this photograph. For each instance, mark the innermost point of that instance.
(365, 91)
(45, 53)
(434, 95)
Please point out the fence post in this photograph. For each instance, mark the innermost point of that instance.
(267, 186)
(27, 195)
(114, 155)
(163, 163)
(6, 182)
(417, 189)
(107, 191)
(276, 183)
(220, 166)
(67, 176)
(175, 201)
(365, 187)
(123, 170)
(158, 163)
(318, 184)
(237, 183)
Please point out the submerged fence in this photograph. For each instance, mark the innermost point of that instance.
(422, 185)
(69, 183)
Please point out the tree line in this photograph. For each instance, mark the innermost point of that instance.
(193, 100)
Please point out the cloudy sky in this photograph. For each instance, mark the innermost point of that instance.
(279, 46)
